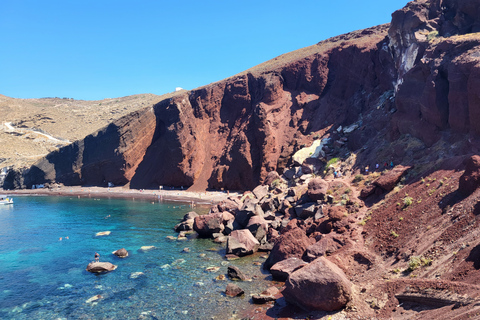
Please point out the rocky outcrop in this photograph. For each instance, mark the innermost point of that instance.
(320, 285)
(386, 182)
(434, 89)
(470, 180)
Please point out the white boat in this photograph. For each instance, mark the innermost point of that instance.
(5, 200)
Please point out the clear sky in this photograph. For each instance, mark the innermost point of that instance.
(100, 49)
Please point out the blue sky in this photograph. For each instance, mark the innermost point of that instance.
(100, 49)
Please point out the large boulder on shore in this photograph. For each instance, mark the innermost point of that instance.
(281, 270)
(100, 267)
(317, 189)
(292, 243)
(242, 243)
(258, 226)
(187, 223)
(207, 225)
(320, 285)
(249, 209)
(470, 180)
(271, 176)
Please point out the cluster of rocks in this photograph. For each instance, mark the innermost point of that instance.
(297, 220)
(102, 267)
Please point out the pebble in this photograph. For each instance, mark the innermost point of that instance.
(212, 269)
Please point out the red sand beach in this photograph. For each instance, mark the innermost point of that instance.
(204, 198)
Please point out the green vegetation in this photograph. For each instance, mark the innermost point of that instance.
(332, 162)
(407, 201)
(357, 178)
(432, 35)
(276, 183)
(400, 218)
(418, 261)
(394, 234)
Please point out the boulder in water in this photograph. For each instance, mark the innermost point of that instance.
(233, 290)
(121, 253)
(99, 267)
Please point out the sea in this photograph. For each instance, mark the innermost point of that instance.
(46, 244)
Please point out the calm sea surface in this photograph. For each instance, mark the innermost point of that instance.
(42, 277)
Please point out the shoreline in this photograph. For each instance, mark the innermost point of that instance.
(200, 198)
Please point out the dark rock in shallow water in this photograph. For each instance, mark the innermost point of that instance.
(266, 296)
(121, 253)
(235, 273)
(233, 290)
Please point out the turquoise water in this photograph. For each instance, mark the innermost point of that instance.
(43, 277)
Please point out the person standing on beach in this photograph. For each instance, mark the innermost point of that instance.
(97, 257)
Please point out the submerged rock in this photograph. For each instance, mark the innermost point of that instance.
(147, 248)
(235, 273)
(103, 233)
(135, 275)
(233, 290)
(266, 296)
(94, 298)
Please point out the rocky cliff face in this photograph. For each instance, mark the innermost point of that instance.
(435, 47)
(416, 76)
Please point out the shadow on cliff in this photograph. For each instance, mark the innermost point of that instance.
(94, 160)
(162, 162)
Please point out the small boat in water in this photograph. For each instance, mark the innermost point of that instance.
(5, 200)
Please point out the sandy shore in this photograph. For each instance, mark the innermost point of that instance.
(204, 198)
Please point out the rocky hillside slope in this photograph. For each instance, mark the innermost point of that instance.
(32, 128)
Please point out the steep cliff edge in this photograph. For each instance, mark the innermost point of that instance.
(417, 76)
